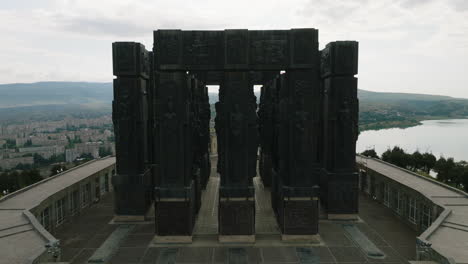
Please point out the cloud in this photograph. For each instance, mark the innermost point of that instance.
(100, 26)
(405, 45)
(414, 3)
(459, 5)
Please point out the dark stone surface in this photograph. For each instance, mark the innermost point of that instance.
(300, 112)
(237, 131)
(306, 124)
(347, 254)
(300, 217)
(151, 255)
(168, 255)
(343, 192)
(203, 49)
(127, 255)
(304, 48)
(129, 115)
(132, 194)
(236, 217)
(269, 49)
(174, 218)
(336, 243)
(341, 123)
(167, 48)
(138, 240)
(284, 254)
(197, 255)
(174, 130)
(132, 181)
(130, 59)
(340, 127)
(236, 49)
(340, 58)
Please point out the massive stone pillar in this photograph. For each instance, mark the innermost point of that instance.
(132, 182)
(274, 189)
(299, 155)
(340, 179)
(265, 113)
(237, 131)
(175, 188)
(204, 115)
(296, 159)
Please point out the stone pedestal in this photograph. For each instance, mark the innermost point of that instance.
(298, 212)
(133, 197)
(236, 218)
(175, 215)
(343, 195)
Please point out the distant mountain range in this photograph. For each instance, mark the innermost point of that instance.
(54, 93)
(377, 109)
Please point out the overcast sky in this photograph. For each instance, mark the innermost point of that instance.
(418, 46)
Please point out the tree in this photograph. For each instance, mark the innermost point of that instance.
(417, 160)
(56, 169)
(39, 160)
(446, 171)
(104, 152)
(370, 153)
(397, 156)
(9, 182)
(464, 179)
(28, 177)
(86, 156)
(22, 166)
(429, 161)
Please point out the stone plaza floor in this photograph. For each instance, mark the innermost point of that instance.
(82, 237)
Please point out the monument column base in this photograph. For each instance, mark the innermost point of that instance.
(132, 196)
(299, 216)
(174, 216)
(236, 239)
(298, 212)
(343, 194)
(343, 217)
(236, 219)
(314, 239)
(172, 239)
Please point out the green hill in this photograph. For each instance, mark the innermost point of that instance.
(394, 97)
(54, 100)
(384, 110)
(54, 93)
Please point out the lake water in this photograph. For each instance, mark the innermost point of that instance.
(441, 137)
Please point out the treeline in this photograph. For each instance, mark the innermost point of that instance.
(448, 170)
(14, 180)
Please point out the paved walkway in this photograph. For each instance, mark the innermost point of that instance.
(81, 238)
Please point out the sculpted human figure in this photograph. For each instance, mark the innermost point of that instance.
(236, 123)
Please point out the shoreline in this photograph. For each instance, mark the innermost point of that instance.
(403, 124)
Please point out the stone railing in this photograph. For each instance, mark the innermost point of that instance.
(424, 249)
(52, 247)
